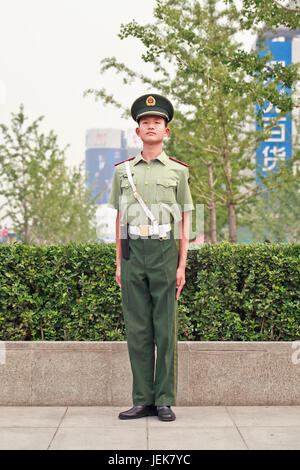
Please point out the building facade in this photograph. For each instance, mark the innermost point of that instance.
(284, 45)
(105, 148)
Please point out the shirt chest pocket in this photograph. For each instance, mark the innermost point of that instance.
(125, 184)
(126, 189)
(166, 190)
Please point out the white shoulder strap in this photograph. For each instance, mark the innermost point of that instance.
(138, 197)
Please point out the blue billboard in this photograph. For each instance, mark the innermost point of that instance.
(278, 146)
(99, 165)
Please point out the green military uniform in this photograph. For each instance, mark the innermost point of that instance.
(148, 277)
(162, 183)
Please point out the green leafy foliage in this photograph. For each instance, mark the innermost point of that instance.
(244, 292)
(68, 292)
(275, 215)
(59, 293)
(45, 201)
(276, 13)
(193, 56)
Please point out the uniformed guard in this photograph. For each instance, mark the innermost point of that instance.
(152, 197)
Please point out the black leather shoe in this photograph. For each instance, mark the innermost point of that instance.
(165, 413)
(139, 412)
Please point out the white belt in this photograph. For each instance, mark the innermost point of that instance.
(146, 230)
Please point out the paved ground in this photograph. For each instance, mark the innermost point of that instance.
(206, 427)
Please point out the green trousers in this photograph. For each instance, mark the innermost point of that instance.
(148, 281)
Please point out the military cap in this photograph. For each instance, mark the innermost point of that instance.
(152, 104)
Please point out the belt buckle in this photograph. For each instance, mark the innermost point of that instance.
(144, 230)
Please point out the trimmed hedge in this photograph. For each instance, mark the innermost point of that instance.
(68, 292)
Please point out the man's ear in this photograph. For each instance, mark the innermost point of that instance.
(167, 131)
(137, 131)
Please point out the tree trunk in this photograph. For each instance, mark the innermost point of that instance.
(232, 223)
(24, 202)
(212, 205)
(229, 188)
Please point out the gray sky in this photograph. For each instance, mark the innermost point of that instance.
(51, 52)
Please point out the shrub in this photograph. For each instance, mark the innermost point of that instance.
(68, 292)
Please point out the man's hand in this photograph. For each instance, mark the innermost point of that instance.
(118, 276)
(180, 280)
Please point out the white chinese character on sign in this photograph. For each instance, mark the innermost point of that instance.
(276, 152)
(278, 131)
(270, 109)
(275, 62)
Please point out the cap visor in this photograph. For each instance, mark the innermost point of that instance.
(152, 113)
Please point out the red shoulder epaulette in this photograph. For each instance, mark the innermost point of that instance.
(182, 163)
(124, 161)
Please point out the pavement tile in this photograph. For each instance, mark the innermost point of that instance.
(183, 438)
(31, 416)
(19, 438)
(265, 415)
(99, 438)
(97, 416)
(199, 427)
(271, 437)
(202, 416)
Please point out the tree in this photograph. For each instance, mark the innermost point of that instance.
(46, 201)
(273, 13)
(275, 215)
(192, 50)
(260, 16)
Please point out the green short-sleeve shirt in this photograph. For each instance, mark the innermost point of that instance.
(163, 183)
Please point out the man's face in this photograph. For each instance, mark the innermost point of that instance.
(152, 129)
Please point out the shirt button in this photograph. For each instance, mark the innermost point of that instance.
(146, 182)
(167, 184)
(126, 185)
(146, 200)
(148, 167)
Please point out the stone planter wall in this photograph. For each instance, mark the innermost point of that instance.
(95, 373)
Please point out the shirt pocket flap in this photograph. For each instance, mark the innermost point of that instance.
(166, 182)
(125, 183)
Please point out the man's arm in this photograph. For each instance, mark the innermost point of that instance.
(118, 250)
(183, 250)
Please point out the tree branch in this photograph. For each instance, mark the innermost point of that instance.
(295, 10)
(205, 194)
(243, 199)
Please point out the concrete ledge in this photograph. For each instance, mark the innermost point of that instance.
(51, 373)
